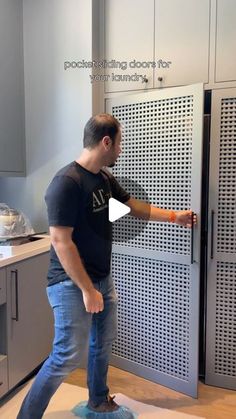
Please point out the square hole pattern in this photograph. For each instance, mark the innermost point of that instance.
(225, 335)
(226, 234)
(153, 313)
(157, 154)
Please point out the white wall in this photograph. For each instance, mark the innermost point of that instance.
(57, 102)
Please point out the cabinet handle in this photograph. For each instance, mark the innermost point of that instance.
(15, 273)
(212, 233)
(1, 383)
(160, 78)
(192, 239)
(145, 80)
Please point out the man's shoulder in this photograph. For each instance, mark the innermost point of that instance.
(69, 172)
(66, 182)
(66, 179)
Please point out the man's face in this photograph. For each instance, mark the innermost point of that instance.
(115, 150)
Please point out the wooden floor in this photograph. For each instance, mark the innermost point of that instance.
(213, 402)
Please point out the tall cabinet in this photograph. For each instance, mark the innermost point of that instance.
(190, 42)
(221, 286)
(157, 272)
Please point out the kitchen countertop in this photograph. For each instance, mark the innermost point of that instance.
(25, 251)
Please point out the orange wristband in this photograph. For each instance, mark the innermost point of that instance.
(172, 217)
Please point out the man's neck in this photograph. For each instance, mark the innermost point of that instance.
(89, 161)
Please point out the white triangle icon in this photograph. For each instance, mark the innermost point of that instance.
(116, 210)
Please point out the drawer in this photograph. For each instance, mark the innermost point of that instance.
(3, 286)
(3, 375)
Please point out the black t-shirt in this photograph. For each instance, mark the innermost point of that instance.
(79, 198)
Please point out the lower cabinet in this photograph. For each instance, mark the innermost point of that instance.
(3, 375)
(3, 334)
(28, 319)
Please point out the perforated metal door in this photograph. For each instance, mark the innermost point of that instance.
(221, 282)
(157, 285)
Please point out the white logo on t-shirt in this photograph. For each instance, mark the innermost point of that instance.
(100, 200)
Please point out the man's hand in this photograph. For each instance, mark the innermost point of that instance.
(184, 218)
(93, 301)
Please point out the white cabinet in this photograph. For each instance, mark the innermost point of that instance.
(172, 35)
(182, 37)
(225, 55)
(129, 36)
(12, 119)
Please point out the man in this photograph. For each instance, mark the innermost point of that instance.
(80, 289)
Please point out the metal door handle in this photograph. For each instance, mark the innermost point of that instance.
(212, 233)
(192, 239)
(15, 273)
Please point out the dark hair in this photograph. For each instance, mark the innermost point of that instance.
(98, 127)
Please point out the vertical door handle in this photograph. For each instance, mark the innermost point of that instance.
(14, 275)
(212, 233)
(192, 239)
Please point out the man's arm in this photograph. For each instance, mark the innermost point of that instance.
(67, 252)
(141, 209)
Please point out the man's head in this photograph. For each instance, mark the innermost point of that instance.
(103, 133)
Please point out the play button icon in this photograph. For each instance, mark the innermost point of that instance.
(116, 210)
(109, 209)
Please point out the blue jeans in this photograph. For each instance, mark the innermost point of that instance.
(74, 327)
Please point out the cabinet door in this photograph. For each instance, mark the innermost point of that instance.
(129, 36)
(221, 274)
(3, 357)
(12, 143)
(3, 375)
(157, 272)
(30, 322)
(225, 41)
(181, 38)
(2, 286)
